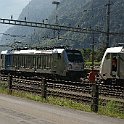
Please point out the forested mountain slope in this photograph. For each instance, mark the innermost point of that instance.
(88, 14)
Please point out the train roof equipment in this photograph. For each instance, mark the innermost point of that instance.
(115, 49)
(31, 51)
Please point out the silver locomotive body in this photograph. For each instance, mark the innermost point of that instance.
(62, 62)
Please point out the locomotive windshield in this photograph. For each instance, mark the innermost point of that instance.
(74, 56)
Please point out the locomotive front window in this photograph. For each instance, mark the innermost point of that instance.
(74, 56)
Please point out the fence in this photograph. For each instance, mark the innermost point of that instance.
(91, 94)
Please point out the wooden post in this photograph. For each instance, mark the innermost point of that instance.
(10, 83)
(95, 98)
(44, 88)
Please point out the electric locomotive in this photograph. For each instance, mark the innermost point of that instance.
(62, 62)
(112, 65)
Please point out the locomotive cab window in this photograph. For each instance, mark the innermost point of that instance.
(74, 56)
(108, 56)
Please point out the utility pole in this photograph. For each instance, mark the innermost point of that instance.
(93, 38)
(108, 24)
(56, 22)
(57, 4)
(93, 43)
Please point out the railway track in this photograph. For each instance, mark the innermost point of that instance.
(68, 89)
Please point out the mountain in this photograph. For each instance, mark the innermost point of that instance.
(74, 13)
(88, 14)
(36, 11)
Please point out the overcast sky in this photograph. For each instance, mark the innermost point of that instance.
(11, 7)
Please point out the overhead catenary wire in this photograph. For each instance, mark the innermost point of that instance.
(55, 27)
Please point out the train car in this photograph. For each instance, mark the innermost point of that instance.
(57, 61)
(112, 65)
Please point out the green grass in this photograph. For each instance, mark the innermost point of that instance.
(110, 109)
(51, 100)
(3, 88)
(68, 103)
(90, 63)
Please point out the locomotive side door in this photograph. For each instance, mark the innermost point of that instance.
(54, 63)
(114, 61)
(60, 64)
(57, 66)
